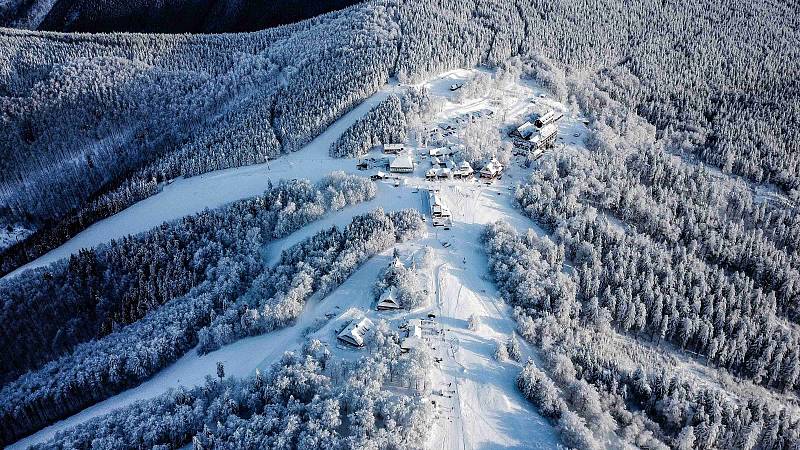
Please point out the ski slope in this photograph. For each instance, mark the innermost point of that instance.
(477, 402)
(186, 196)
(491, 413)
(241, 358)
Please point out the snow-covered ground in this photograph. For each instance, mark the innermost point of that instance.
(11, 234)
(478, 404)
(241, 358)
(187, 196)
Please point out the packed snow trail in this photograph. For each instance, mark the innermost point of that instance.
(477, 400)
(186, 196)
(485, 401)
(241, 358)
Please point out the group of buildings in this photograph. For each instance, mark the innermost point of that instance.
(403, 162)
(540, 134)
(442, 166)
(356, 332)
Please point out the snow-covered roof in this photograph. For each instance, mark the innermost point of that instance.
(546, 133)
(440, 151)
(438, 208)
(494, 167)
(393, 147)
(354, 333)
(435, 198)
(388, 300)
(431, 173)
(402, 162)
(526, 130)
(464, 166)
(412, 343)
(544, 118)
(548, 130)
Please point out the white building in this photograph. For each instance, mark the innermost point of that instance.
(439, 211)
(545, 137)
(402, 164)
(388, 300)
(492, 170)
(440, 152)
(393, 149)
(356, 331)
(464, 170)
(548, 118)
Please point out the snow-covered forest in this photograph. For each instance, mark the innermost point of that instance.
(130, 128)
(385, 124)
(173, 16)
(656, 295)
(305, 401)
(194, 268)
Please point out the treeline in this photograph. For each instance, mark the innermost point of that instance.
(652, 290)
(146, 16)
(409, 286)
(383, 124)
(132, 99)
(590, 388)
(111, 327)
(305, 401)
(136, 118)
(712, 276)
(671, 255)
(314, 267)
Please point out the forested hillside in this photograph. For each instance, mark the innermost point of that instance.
(306, 401)
(107, 332)
(174, 16)
(664, 304)
(144, 109)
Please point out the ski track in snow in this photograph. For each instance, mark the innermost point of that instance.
(489, 412)
(190, 195)
(481, 408)
(186, 196)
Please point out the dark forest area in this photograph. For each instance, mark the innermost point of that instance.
(156, 16)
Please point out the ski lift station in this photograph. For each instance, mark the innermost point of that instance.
(414, 337)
